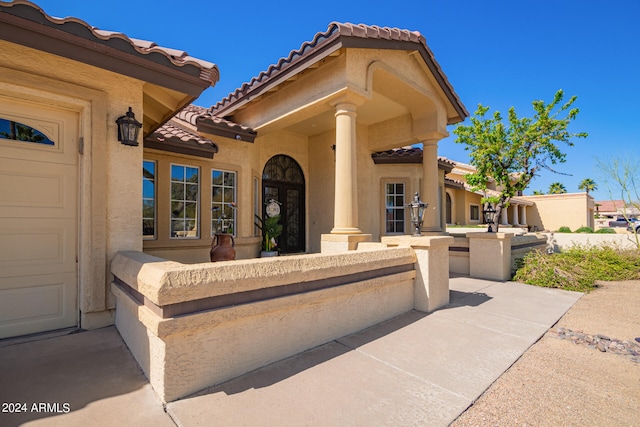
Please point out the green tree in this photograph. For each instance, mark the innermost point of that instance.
(587, 185)
(557, 188)
(513, 153)
(538, 192)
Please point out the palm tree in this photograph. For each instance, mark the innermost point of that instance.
(557, 188)
(538, 192)
(587, 185)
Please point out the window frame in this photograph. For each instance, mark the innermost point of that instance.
(197, 202)
(234, 209)
(384, 220)
(471, 206)
(154, 198)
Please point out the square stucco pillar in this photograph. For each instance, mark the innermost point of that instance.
(490, 256)
(431, 287)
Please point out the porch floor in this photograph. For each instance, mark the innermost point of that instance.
(415, 369)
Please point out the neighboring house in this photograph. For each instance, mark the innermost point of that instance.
(613, 209)
(464, 206)
(70, 194)
(302, 133)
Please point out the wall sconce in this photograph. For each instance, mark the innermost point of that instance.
(128, 129)
(416, 210)
(490, 217)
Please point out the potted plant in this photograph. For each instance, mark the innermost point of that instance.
(271, 230)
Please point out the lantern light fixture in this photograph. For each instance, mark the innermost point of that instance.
(416, 210)
(128, 129)
(490, 217)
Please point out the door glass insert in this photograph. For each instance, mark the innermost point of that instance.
(16, 131)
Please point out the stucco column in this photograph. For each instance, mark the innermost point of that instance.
(516, 220)
(504, 220)
(429, 193)
(524, 214)
(345, 218)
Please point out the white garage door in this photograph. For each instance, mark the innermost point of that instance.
(38, 218)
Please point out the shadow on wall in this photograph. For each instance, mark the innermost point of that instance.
(291, 366)
(280, 371)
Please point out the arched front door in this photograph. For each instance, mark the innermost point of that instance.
(448, 207)
(283, 181)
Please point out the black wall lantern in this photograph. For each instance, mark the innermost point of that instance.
(416, 210)
(490, 217)
(128, 129)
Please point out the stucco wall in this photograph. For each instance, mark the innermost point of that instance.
(107, 223)
(183, 354)
(552, 211)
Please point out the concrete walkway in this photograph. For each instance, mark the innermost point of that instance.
(415, 369)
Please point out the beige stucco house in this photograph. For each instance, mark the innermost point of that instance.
(95, 232)
(302, 133)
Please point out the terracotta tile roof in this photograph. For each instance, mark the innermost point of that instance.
(610, 205)
(408, 154)
(30, 16)
(398, 155)
(206, 122)
(176, 137)
(174, 130)
(448, 182)
(323, 43)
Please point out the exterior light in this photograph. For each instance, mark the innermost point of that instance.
(490, 217)
(128, 129)
(416, 210)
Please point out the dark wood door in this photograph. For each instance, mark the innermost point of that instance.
(283, 181)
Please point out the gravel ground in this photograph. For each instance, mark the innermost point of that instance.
(559, 383)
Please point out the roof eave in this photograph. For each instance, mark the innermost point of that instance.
(190, 80)
(333, 43)
(207, 125)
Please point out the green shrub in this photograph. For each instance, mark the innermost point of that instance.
(564, 229)
(584, 230)
(579, 268)
(606, 231)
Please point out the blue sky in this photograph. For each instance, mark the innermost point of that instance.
(498, 53)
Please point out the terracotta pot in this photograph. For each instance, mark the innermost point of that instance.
(222, 248)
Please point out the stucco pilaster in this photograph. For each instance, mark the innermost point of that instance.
(429, 193)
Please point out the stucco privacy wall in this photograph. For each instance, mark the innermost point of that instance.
(183, 353)
(552, 211)
(491, 256)
(107, 223)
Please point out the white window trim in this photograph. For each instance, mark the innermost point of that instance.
(155, 200)
(235, 198)
(198, 205)
(383, 222)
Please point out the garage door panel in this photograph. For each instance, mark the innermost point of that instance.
(27, 246)
(36, 189)
(30, 304)
(60, 126)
